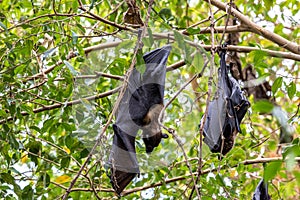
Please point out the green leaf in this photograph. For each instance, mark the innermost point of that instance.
(258, 56)
(126, 44)
(193, 31)
(69, 141)
(65, 162)
(271, 170)
(292, 150)
(148, 41)
(166, 14)
(291, 90)
(12, 141)
(8, 178)
(92, 4)
(3, 26)
(179, 39)
(27, 193)
(84, 153)
(220, 180)
(71, 68)
(27, 108)
(276, 85)
(151, 40)
(74, 38)
(268, 4)
(140, 63)
(198, 62)
(44, 180)
(35, 148)
(263, 106)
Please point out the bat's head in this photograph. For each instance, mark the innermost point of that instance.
(152, 141)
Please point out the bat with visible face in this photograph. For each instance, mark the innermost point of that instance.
(139, 108)
(145, 106)
(152, 134)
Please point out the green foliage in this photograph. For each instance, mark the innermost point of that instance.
(271, 170)
(52, 57)
(276, 85)
(263, 106)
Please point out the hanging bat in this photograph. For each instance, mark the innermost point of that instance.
(225, 112)
(152, 134)
(261, 192)
(139, 108)
(145, 106)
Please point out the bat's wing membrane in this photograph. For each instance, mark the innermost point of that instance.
(226, 111)
(142, 91)
(261, 191)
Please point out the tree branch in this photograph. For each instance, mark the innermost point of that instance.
(175, 179)
(107, 21)
(282, 42)
(244, 49)
(70, 103)
(180, 178)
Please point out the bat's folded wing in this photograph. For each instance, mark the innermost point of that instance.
(122, 160)
(261, 191)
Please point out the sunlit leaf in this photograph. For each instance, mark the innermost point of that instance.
(192, 31)
(67, 150)
(271, 170)
(291, 90)
(140, 63)
(198, 62)
(24, 158)
(263, 106)
(276, 85)
(3, 26)
(268, 4)
(62, 179)
(71, 68)
(74, 38)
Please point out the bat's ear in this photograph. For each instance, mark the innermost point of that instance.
(164, 135)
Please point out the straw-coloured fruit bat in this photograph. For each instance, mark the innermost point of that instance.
(145, 106)
(151, 130)
(139, 109)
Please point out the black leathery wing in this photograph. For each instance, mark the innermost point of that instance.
(143, 92)
(261, 191)
(225, 111)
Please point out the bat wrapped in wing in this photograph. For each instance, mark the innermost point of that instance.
(225, 112)
(261, 191)
(139, 109)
